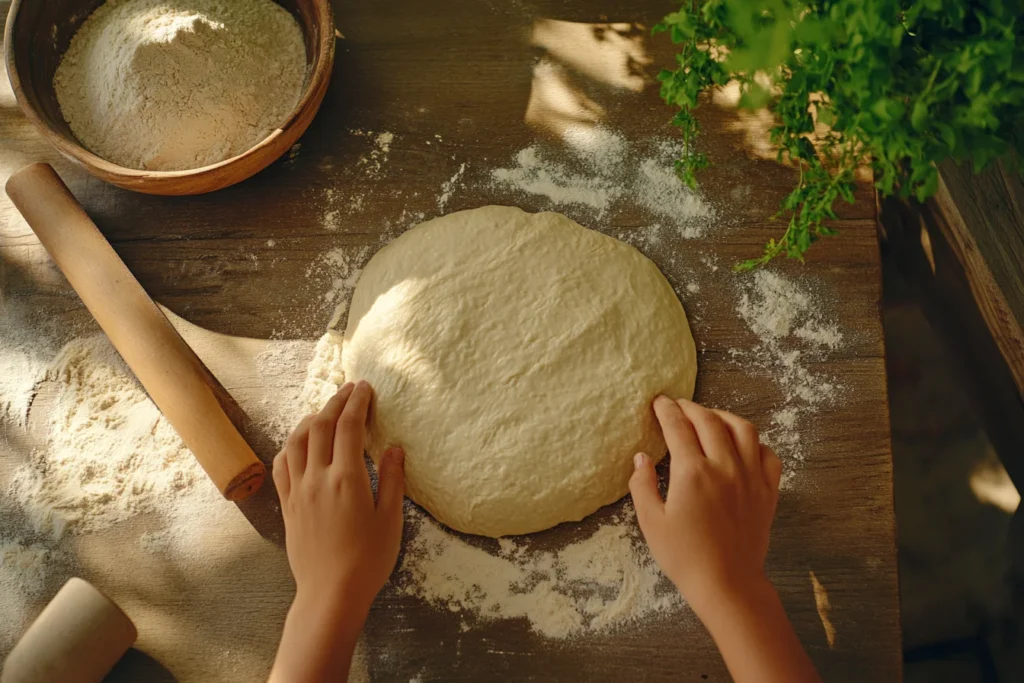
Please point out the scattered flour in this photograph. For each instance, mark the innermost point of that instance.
(23, 579)
(176, 535)
(537, 175)
(110, 454)
(343, 265)
(167, 85)
(791, 333)
(449, 186)
(375, 160)
(603, 171)
(280, 410)
(358, 671)
(24, 356)
(602, 582)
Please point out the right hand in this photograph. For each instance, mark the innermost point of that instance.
(710, 534)
(342, 545)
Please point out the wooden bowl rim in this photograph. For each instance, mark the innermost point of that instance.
(318, 74)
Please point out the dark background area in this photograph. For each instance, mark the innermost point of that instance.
(961, 606)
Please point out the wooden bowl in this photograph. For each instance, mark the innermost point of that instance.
(37, 35)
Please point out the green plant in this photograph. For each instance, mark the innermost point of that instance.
(899, 85)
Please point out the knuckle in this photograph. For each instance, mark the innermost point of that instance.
(667, 410)
(351, 420)
(708, 417)
(689, 471)
(636, 479)
(322, 423)
(297, 434)
(335, 480)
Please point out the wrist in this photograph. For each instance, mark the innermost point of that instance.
(729, 594)
(330, 610)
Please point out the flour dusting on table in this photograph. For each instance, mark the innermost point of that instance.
(602, 582)
(599, 170)
(109, 452)
(24, 355)
(792, 333)
(23, 579)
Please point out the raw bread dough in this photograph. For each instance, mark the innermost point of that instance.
(515, 357)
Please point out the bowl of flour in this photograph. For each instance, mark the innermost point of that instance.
(171, 96)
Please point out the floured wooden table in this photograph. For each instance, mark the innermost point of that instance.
(433, 109)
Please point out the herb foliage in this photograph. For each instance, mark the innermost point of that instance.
(899, 85)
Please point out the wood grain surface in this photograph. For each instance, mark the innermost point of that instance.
(983, 221)
(456, 83)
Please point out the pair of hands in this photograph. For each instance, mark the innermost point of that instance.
(709, 536)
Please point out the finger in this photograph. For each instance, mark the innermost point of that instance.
(772, 468)
(679, 433)
(643, 485)
(296, 446)
(715, 440)
(281, 480)
(391, 483)
(390, 492)
(321, 431)
(350, 437)
(746, 440)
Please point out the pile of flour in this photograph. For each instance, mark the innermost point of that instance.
(109, 452)
(169, 85)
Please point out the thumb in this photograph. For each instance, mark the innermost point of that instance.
(644, 487)
(391, 486)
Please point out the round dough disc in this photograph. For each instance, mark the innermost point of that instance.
(515, 357)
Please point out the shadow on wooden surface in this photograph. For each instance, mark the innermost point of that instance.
(138, 666)
(916, 240)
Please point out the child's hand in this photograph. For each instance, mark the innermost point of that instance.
(710, 534)
(341, 545)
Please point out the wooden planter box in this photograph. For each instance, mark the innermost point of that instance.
(963, 252)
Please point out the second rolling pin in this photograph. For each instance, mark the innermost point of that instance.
(177, 381)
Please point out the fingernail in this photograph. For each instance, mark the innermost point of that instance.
(344, 386)
(362, 384)
(638, 461)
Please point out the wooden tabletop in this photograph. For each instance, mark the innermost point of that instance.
(455, 83)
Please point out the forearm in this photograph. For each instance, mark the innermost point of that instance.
(755, 636)
(318, 641)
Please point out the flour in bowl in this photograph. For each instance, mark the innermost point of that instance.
(168, 85)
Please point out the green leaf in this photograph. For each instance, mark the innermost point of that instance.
(907, 83)
(754, 97)
(919, 117)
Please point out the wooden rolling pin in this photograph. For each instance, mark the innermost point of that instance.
(177, 381)
(78, 638)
